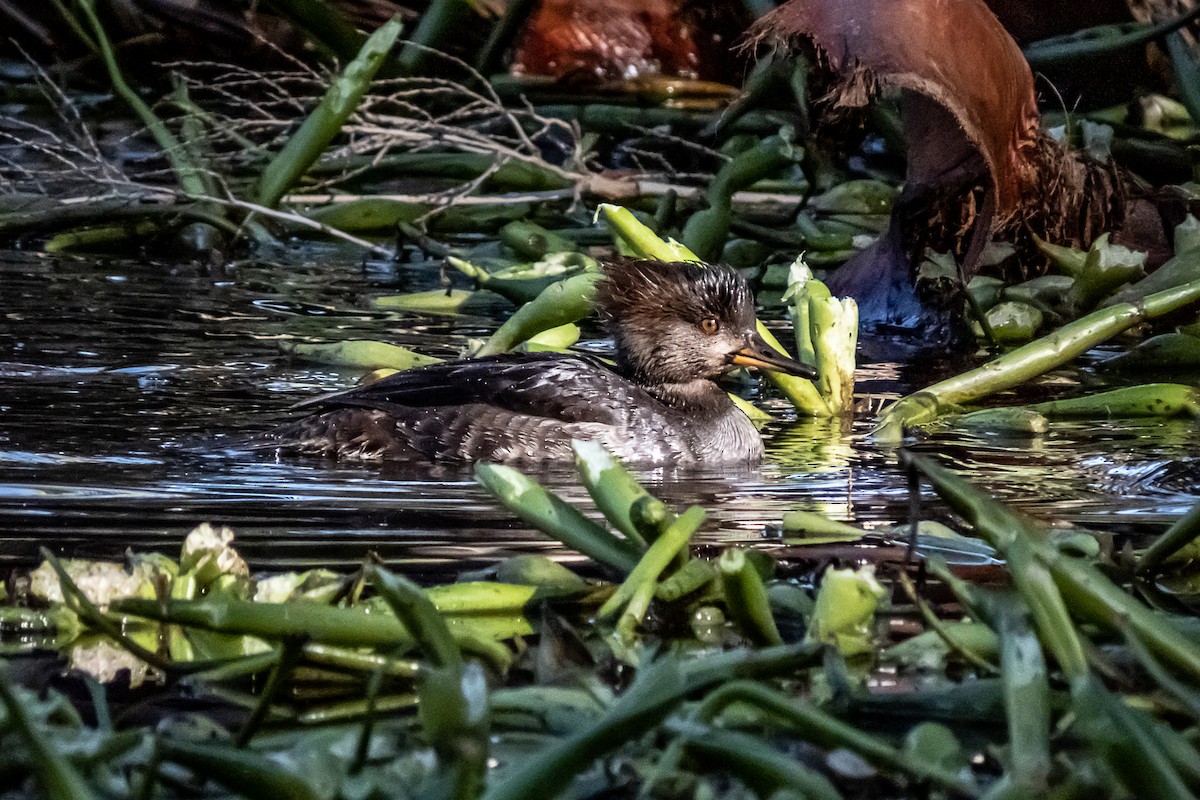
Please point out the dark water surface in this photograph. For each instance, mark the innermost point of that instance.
(127, 390)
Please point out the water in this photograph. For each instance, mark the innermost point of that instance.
(127, 390)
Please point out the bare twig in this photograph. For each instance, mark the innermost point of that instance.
(297, 219)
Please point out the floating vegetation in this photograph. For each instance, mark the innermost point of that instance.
(997, 656)
(365, 679)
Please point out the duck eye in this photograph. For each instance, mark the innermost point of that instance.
(710, 325)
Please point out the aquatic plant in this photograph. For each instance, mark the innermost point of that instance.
(415, 669)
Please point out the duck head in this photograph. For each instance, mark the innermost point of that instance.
(676, 322)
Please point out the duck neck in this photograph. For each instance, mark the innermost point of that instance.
(700, 396)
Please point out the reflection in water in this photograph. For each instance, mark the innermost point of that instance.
(127, 391)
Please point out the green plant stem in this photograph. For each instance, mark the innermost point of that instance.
(1146, 400)
(322, 24)
(1181, 533)
(819, 727)
(765, 662)
(418, 615)
(554, 516)
(1187, 73)
(1065, 49)
(503, 34)
(559, 303)
(230, 669)
(246, 772)
(453, 693)
(706, 230)
(58, 777)
(1029, 361)
(363, 748)
(758, 764)
(325, 122)
(657, 691)
(1120, 738)
(1187, 696)
(187, 173)
(1011, 535)
(353, 659)
(637, 591)
(692, 576)
(347, 627)
(746, 598)
(358, 709)
(1051, 582)
(437, 25)
(936, 625)
(289, 655)
(1026, 683)
(612, 487)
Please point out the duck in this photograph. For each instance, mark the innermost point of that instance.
(677, 328)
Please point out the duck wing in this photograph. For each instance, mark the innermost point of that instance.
(549, 385)
(502, 408)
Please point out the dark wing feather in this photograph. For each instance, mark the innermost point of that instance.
(504, 408)
(549, 385)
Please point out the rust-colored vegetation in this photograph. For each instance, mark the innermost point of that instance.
(979, 164)
(589, 41)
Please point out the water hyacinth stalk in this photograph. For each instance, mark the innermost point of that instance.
(532, 241)
(691, 577)
(1129, 402)
(323, 24)
(635, 239)
(453, 693)
(1024, 363)
(435, 301)
(434, 31)
(334, 625)
(1147, 400)
(554, 339)
(1165, 351)
(826, 331)
(552, 515)
(1182, 532)
(1051, 582)
(760, 765)
(823, 729)
(238, 769)
(358, 354)
(187, 173)
(522, 283)
(657, 691)
(637, 591)
(746, 598)
(57, 775)
(326, 120)
(1025, 682)
(1100, 40)
(706, 231)
(560, 303)
(612, 487)
(835, 332)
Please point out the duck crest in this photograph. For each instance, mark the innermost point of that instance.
(656, 313)
(634, 288)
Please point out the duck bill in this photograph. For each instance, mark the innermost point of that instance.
(757, 353)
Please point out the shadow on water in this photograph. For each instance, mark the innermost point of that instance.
(126, 389)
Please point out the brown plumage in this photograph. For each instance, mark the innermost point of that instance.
(677, 327)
